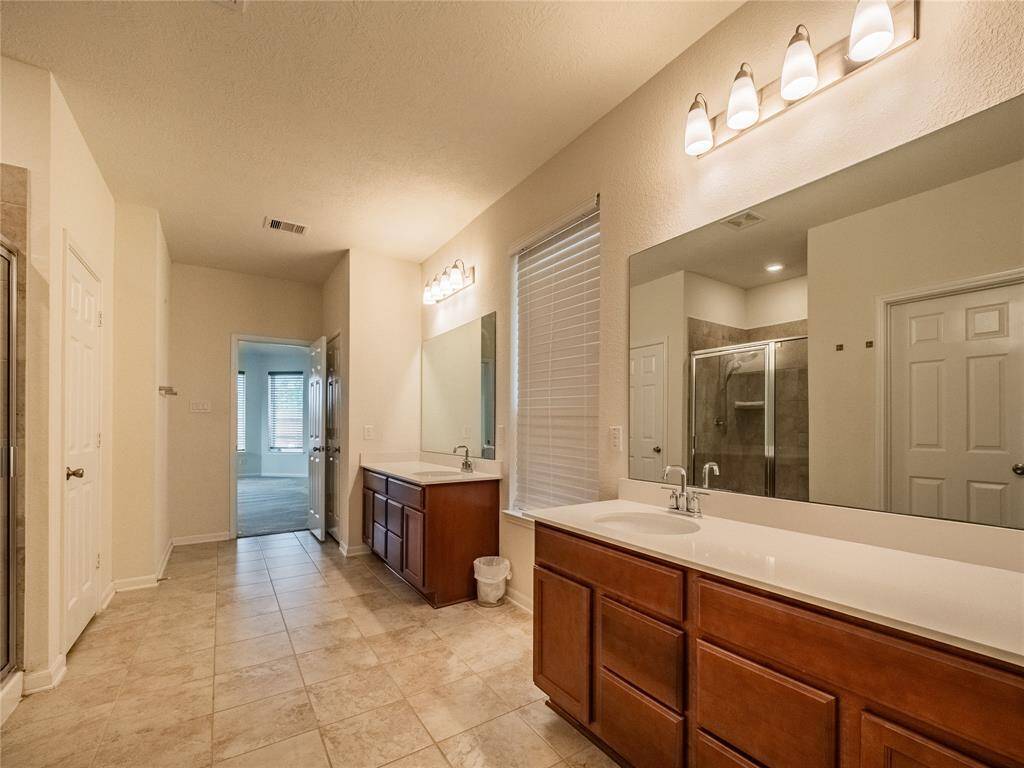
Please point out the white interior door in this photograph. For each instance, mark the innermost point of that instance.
(956, 378)
(82, 399)
(317, 417)
(647, 412)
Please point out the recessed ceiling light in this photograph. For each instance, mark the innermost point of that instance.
(773, 268)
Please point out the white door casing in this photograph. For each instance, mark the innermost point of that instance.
(316, 399)
(82, 407)
(647, 412)
(956, 374)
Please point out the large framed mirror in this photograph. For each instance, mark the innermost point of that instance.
(858, 341)
(458, 389)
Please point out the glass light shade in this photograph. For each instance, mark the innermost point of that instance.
(743, 108)
(446, 287)
(800, 68)
(698, 137)
(435, 289)
(455, 277)
(428, 297)
(871, 33)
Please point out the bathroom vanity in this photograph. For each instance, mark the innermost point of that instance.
(677, 642)
(428, 523)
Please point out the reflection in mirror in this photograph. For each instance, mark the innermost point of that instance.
(459, 389)
(858, 341)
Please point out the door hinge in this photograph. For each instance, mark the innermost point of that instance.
(99, 317)
(99, 439)
(98, 559)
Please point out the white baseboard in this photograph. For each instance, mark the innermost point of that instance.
(10, 694)
(520, 599)
(45, 679)
(277, 474)
(108, 595)
(202, 538)
(135, 582)
(354, 549)
(165, 559)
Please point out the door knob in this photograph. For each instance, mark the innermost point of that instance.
(656, 449)
(69, 473)
(1018, 469)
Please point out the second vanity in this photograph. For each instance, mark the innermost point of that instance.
(428, 522)
(715, 643)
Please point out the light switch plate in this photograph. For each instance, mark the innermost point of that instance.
(199, 406)
(369, 432)
(616, 437)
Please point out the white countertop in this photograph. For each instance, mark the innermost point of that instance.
(425, 473)
(975, 607)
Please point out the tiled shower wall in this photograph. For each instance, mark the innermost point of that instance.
(14, 215)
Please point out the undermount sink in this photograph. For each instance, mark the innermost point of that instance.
(646, 522)
(438, 475)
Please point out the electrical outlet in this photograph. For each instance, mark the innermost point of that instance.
(199, 406)
(616, 436)
(369, 432)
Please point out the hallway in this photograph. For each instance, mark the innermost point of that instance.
(277, 651)
(272, 505)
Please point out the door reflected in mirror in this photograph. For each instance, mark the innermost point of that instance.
(858, 341)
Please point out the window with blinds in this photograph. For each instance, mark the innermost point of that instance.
(240, 414)
(285, 391)
(557, 341)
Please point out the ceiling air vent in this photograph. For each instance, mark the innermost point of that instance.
(284, 226)
(742, 220)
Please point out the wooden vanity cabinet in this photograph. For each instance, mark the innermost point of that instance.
(430, 535)
(667, 667)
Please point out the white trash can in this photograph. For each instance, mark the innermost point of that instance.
(492, 574)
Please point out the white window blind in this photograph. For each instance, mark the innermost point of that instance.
(284, 398)
(240, 415)
(558, 297)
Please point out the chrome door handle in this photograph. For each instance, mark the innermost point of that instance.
(69, 473)
(1018, 469)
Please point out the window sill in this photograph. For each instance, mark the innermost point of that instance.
(515, 517)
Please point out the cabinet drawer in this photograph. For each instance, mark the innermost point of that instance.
(394, 555)
(405, 493)
(885, 745)
(380, 540)
(711, 753)
(774, 719)
(645, 652)
(374, 482)
(638, 728)
(394, 518)
(380, 505)
(652, 587)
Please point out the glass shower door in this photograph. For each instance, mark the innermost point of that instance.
(729, 390)
(7, 283)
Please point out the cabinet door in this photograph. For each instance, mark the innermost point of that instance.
(380, 504)
(413, 539)
(561, 641)
(367, 516)
(645, 733)
(886, 745)
(380, 540)
(394, 553)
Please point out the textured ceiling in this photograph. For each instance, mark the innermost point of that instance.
(384, 127)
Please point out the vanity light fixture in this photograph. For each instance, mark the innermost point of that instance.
(773, 268)
(872, 30)
(698, 137)
(877, 30)
(800, 69)
(450, 281)
(743, 102)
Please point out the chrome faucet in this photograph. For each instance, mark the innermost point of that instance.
(709, 467)
(467, 465)
(682, 500)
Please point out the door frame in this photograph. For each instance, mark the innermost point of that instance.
(73, 251)
(11, 254)
(884, 305)
(233, 416)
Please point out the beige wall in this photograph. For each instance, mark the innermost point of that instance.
(207, 307)
(142, 270)
(67, 195)
(969, 228)
(775, 303)
(969, 58)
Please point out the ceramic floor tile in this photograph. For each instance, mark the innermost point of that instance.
(232, 689)
(180, 745)
(246, 608)
(163, 673)
(375, 738)
(282, 558)
(457, 707)
(513, 683)
(244, 592)
(241, 566)
(71, 696)
(303, 751)
(250, 652)
(234, 630)
(147, 709)
(315, 613)
(287, 571)
(430, 757)
(261, 723)
(335, 661)
(399, 644)
(507, 742)
(68, 742)
(590, 757)
(323, 635)
(107, 659)
(427, 670)
(551, 727)
(307, 596)
(299, 582)
(243, 579)
(384, 620)
(349, 695)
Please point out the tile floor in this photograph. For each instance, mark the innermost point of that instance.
(277, 652)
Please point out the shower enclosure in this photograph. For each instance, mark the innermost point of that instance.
(8, 291)
(748, 414)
